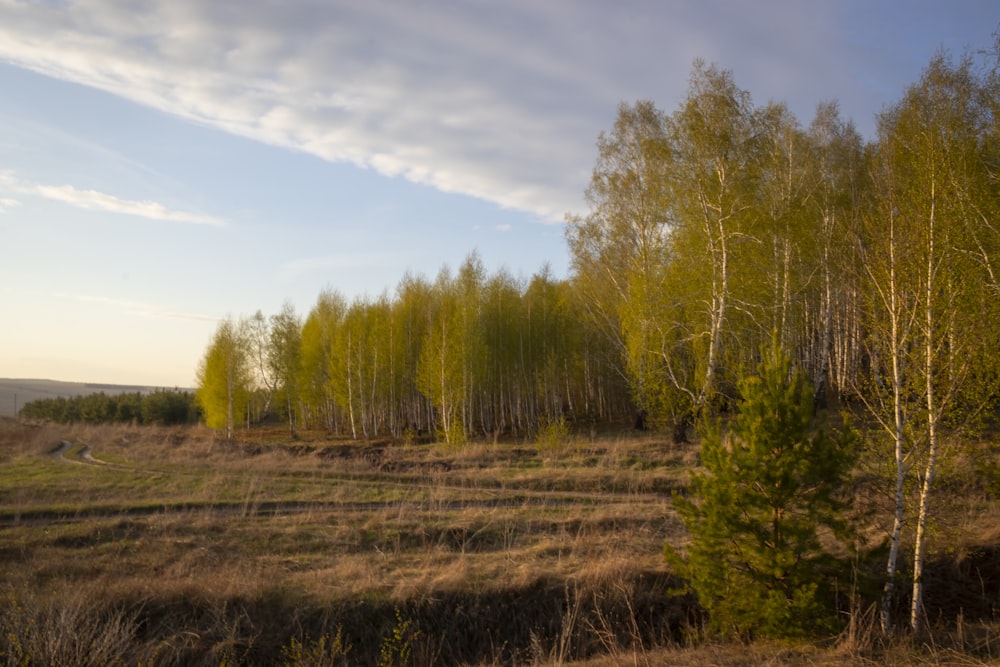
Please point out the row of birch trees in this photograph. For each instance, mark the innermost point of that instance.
(725, 225)
(468, 354)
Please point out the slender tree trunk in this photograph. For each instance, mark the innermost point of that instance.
(230, 412)
(350, 389)
(720, 292)
(898, 434)
(372, 401)
(917, 604)
(445, 403)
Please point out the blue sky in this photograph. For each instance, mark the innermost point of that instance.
(166, 163)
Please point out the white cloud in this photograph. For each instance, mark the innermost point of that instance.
(93, 200)
(6, 204)
(503, 228)
(436, 94)
(501, 101)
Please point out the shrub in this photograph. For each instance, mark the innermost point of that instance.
(67, 632)
(553, 434)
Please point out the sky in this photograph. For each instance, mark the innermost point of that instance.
(168, 163)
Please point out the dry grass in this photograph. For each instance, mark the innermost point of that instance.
(185, 550)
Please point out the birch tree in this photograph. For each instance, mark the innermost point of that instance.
(256, 335)
(836, 186)
(412, 316)
(933, 167)
(440, 369)
(715, 192)
(224, 378)
(892, 314)
(319, 335)
(284, 354)
(618, 250)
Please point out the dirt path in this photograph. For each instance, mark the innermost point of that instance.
(59, 453)
(83, 457)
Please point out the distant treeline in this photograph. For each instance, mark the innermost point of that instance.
(165, 406)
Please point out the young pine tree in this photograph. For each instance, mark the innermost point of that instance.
(769, 488)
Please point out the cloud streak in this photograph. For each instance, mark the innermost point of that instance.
(92, 200)
(140, 309)
(447, 96)
(500, 101)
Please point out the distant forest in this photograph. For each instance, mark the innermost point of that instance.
(713, 231)
(164, 407)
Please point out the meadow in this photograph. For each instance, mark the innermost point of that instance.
(165, 546)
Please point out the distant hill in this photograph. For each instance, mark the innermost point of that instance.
(15, 393)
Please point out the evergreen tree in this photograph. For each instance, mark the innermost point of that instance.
(769, 488)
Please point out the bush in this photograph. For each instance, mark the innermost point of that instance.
(70, 632)
(553, 434)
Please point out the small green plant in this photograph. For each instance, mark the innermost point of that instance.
(397, 645)
(553, 434)
(454, 435)
(326, 651)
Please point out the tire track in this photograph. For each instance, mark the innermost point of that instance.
(59, 453)
(496, 498)
(270, 509)
(83, 457)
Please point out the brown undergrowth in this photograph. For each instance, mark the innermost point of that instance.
(171, 548)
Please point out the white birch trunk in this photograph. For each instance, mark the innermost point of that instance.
(917, 604)
(350, 390)
(898, 435)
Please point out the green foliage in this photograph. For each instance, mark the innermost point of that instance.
(319, 334)
(553, 434)
(326, 651)
(224, 378)
(284, 359)
(397, 646)
(168, 407)
(163, 406)
(769, 488)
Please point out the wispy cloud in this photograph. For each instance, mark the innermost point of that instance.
(139, 308)
(93, 200)
(501, 101)
(472, 100)
(6, 204)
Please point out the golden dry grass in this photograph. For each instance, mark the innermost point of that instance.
(235, 553)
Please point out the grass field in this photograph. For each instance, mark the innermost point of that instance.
(163, 546)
